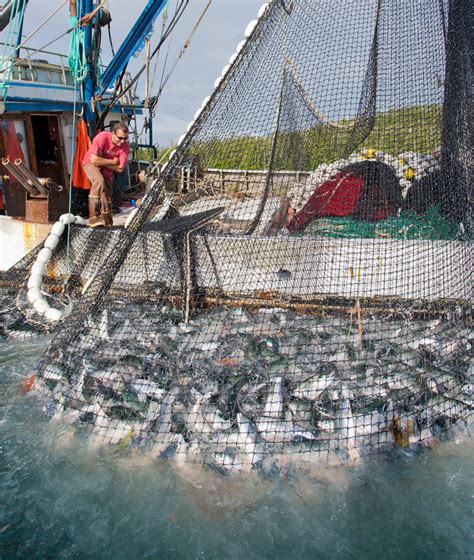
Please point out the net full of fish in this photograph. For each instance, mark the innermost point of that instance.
(267, 390)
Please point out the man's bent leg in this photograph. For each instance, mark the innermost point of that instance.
(96, 196)
(95, 218)
(106, 204)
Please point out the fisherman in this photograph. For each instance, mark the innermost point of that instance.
(107, 153)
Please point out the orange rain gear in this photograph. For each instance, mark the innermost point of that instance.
(79, 178)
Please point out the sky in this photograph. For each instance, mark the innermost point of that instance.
(192, 80)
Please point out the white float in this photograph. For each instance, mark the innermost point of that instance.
(262, 9)
(57, 229)
(51, 241)
(44, 255)
(250, 27)
(41, 306)
(35, 296)
(67, 219)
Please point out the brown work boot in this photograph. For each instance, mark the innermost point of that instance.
(96, 221)
(95, 218)
(107, 219)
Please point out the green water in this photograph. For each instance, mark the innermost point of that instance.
(60, 498)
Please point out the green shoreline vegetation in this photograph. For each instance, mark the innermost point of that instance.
(416, 129)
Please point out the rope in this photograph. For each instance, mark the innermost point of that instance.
(183, 50)
(147, 71)
(309, 102)
(77, 60)
(82, 21)
(163, 27)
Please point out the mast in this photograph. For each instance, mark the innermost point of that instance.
(88, 85)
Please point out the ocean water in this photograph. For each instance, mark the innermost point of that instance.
(62, 498)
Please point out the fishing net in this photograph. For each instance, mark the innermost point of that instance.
(296, 286)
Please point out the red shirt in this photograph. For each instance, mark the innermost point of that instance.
(103, 146)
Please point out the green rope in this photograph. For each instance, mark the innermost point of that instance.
(409, 225)
(77, 55)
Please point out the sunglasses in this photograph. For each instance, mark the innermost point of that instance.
(123, 138)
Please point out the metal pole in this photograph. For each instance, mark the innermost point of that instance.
(88, 84)
(20, 32)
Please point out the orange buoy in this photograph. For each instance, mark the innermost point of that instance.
(28, 383)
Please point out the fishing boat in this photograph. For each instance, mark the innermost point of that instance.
(41, 101)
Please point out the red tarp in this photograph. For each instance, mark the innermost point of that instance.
(337, 197)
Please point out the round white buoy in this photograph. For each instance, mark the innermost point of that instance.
(41, 306)
(57, 229)
(34, 281)
(250, 27)
(197, 113)
(38, 267)
(67, 218)
(80, 221)
(53, 314)
(34, 294)
(204, 102)
(233, 58)
(44, 255)
(225, 70)
(216, 85)
(181, 138)
(51, 241)
(190, 125)
(262, 9)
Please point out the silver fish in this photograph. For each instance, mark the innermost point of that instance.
(312, 388)
(144, 388)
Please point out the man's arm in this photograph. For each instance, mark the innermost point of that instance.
(113, 164)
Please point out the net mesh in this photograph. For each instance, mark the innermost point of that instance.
(301, 291)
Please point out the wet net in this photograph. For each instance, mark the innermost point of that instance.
(296, 286)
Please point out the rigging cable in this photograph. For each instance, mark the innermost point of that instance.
(163, 26)
(165, 63)
(10, 44)
(115, 95)
(41, 25)
(84, 19)
(181, 52)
